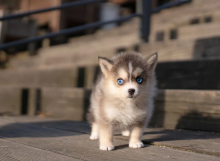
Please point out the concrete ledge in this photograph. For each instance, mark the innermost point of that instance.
(200, 74)
(199, 31)
(181, 109)
(10, 100)
(64, 76)
(196, 9)
(83, 50)
(187, 109)
(65, 103)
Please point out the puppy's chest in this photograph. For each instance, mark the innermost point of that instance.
(125, 113)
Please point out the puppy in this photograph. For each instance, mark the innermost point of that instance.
(123, 98)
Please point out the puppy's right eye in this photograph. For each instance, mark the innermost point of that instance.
(120, 81)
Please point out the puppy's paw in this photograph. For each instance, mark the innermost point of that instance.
(125, 133)
(136, 145)
(93, 137)
(106, 148)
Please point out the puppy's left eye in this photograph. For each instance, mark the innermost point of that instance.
(139, 80)
(120, 81)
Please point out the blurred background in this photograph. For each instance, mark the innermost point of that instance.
(48, 63)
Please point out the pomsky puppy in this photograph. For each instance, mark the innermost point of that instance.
(123, 98)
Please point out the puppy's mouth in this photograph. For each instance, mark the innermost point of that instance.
(131, 96)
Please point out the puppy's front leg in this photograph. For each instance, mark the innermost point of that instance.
(106, 137)
(135, 137)
(95, 131)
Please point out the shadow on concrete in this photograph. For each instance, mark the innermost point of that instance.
(194, 74)
(191, 126)
(177, 135)
(198, 121)
(86, 105)
(61, 128)
(167, 117)
(44, 129)
(157, 119)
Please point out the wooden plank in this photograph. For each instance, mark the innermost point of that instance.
(12, 151)
(195, 141)
(171, 138)
(168, 138)
(78, 145)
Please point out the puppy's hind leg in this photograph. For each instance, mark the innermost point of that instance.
(125, 132)
(95, 131)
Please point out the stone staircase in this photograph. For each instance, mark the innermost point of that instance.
(182, 109)
(57, 82)
(84, 50)
(63, 93)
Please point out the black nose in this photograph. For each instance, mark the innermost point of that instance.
(131, 91)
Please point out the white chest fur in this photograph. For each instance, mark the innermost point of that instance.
(126, 113)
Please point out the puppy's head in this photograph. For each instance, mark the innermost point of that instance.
(128, 75)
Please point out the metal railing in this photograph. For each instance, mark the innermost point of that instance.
(144, 15)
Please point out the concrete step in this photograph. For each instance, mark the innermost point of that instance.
(69, 54)
(194, 9)
(201, 74)
(62, 76)
(181, 109)
(191, 43)
(83, 50)
(107, 43)
(199, 31)
(181, 16)
(189, 32)
(59, 76)
(180, 50)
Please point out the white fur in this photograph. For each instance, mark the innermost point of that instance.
(130, 70)
(107, 148)
(126, 114)
(95, 131)
(125, 132)
(94, 137)
(127, 86)
(136, 145)
(123, 74)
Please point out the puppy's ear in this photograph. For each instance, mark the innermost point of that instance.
(105, 64)
(152, 62)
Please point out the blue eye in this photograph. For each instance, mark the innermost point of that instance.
(139, 80)
(120, 81)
